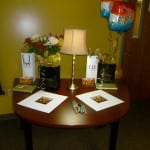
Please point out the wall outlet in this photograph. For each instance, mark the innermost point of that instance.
(9, 92)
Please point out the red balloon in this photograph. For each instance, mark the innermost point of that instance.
(122, 16)
(122, 8)
(106, 6)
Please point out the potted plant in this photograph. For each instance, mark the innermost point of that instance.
(107, 65)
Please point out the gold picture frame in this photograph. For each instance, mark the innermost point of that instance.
(136, 30)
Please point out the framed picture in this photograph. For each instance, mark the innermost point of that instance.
(99, 100)
(136, 31)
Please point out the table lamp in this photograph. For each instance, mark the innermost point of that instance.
(74, 44)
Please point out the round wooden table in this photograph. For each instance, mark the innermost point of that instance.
(65, 117)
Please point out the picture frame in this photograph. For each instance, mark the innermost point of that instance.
(137, 27)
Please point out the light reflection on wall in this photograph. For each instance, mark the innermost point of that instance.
(27, 25)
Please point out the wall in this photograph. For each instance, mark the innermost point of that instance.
(22, 18)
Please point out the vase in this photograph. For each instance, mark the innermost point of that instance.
(49, 71)
(49, 77)
(107, 72)
(118, 72)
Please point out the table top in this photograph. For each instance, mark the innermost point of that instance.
(64, 116)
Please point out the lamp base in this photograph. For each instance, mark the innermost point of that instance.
(73, 87)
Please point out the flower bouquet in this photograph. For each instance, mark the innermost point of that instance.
(47, 53)
(46, 48)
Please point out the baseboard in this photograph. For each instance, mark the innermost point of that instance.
(8, 116)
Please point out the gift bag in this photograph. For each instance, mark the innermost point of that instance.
(28, 65)
(92, 66)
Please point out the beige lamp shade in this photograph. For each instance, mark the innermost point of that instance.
(74, 42)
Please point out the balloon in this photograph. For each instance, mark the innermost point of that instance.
(121, 16)
(106, 6)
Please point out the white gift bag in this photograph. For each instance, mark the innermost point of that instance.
(92, 66)
(28, 65)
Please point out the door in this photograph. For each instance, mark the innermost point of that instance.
(136, 59)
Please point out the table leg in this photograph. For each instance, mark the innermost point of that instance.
(27, 127)
(113, 135)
